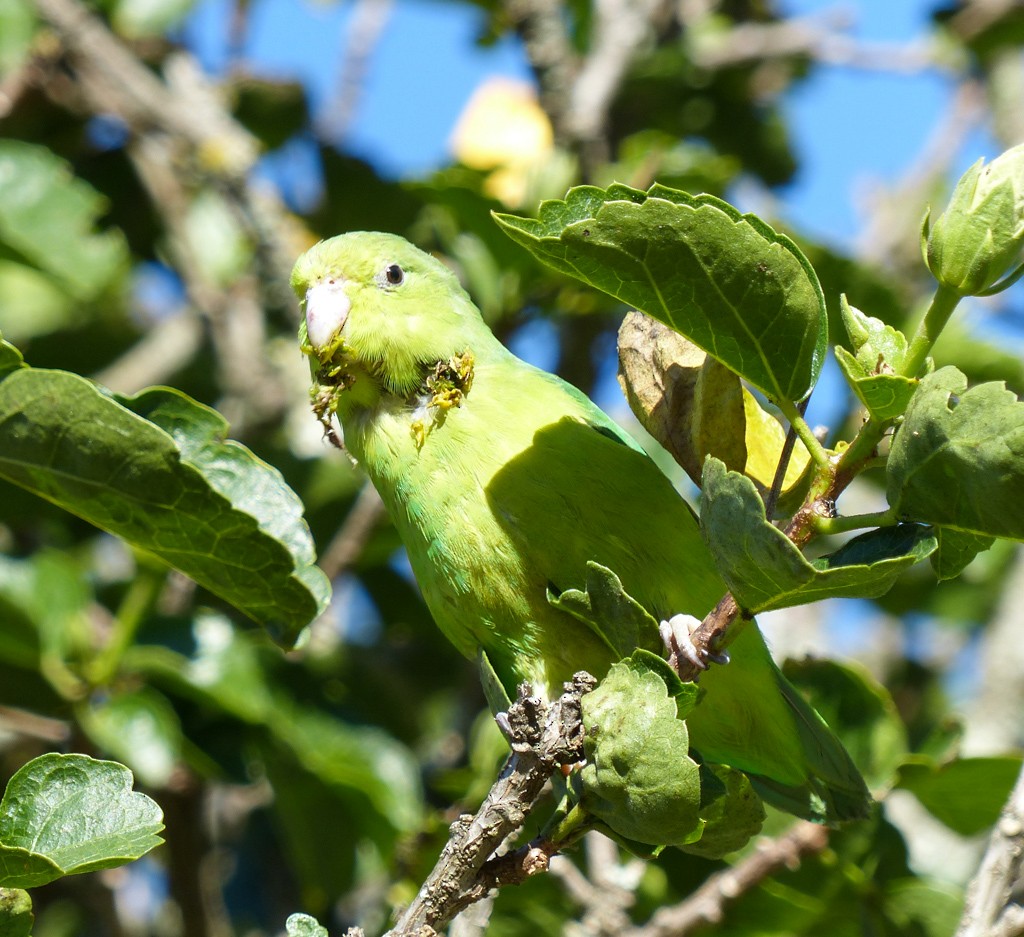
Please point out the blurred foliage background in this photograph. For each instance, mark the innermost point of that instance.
(141, 244)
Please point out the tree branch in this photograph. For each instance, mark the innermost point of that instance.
(995, 896)
(708, 903)
(543, 738)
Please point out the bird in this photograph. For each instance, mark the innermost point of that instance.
(504, 482)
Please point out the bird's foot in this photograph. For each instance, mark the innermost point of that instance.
(676, 634)
(504, 725)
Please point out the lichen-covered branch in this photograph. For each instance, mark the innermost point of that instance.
(543, 737)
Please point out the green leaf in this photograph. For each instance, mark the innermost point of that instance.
(858, 709)
(354, 759)
(615, 617)
(17, 30)
(302, 925)
(884, 396)
(33, 304)
(140, 728)
(968, 794)
(728, 282)
(957, 548)
(48, 217)
(874, 370)
(225, 673)
(66, 814)
(638, 779)
(921, 907)
(765, 570)
(494, 690)
(164, 479)
(10, 358)
(15, 910)
(731, 810)
(958, 458)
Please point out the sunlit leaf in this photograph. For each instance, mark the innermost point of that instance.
(958, 458)
(728, 282)
(65, 814)
(764, 569)
(48, 217)
(164, 479)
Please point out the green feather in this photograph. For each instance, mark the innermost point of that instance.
(504, 481)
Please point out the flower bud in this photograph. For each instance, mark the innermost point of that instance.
(980, 236)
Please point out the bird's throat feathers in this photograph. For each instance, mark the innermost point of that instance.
(359, 390)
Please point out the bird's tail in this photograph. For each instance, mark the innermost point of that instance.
(754, 719)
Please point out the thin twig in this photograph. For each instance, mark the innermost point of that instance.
(708, 903)
(367, 23)
(348, 542)
(33, 725)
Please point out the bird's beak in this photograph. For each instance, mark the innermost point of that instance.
(327, 308)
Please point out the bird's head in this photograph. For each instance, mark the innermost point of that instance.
(383, 305)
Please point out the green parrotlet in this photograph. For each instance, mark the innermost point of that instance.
(504, 481)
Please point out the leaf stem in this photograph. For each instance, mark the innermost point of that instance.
(141, 594)
(816, 450)
(931, 325)
(840, 525)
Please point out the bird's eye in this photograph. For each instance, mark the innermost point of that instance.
(394, 274)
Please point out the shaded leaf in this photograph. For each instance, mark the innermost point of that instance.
(957, 548)
(728, 282)
(731, 810)
(48, 217)
(967, 794)
(615, 617)
(494, 690)
(141, 729)
(924, 907)
(66, 814)
(357, 759)
(638, 779)
(15, 913)
(958, 458)
(764, 569)
(169, 484)
(858, 709)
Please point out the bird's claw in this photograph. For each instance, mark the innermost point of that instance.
(676, 633)
(503, 724)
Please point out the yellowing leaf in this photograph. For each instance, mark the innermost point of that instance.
(503, 129)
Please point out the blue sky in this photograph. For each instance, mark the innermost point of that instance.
(849, 126)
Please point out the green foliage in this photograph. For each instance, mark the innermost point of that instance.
(155, 470)
(765, 570)
(738, 289)
(56, 256)
(638, 780)
(67, 814)
(325, 778)
(15, 913)
(956, 461)
(967, 794)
